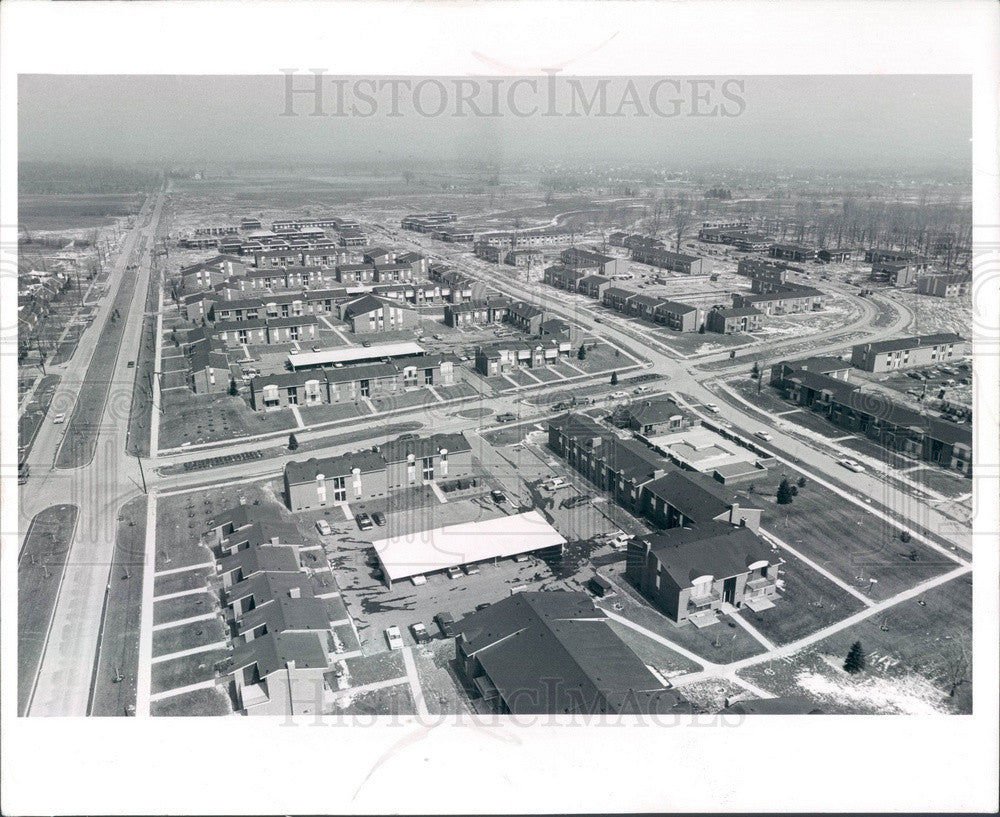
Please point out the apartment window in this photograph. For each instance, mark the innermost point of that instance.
(293, 395)
(339, 489)
(428, 468)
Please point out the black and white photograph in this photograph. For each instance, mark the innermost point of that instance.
(517, 408)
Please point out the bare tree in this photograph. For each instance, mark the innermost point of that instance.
(956, 663)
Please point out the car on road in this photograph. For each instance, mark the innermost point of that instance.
(640, 389)
(446, 621)
(618, 395)
(420, 634)
(364, 521)
(130, 364)
(422, 339)
(366, 343)
(555, 483)
(619, 540)
(506, 417)
(851, 465)
(763, 435)
(59, 419)
(598, 320)
(575, 501)
(470, 570)
(438, 337)
(379, 518)
(453, 572)
(315, 348)
(499, 497)
(712, 408)
(394, 637)
(323, 527)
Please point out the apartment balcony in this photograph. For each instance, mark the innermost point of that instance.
(760, 584)
(702, 602)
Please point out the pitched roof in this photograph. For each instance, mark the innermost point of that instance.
(399, 450)
(911, 342)
(553, 652)
(274, 651)
(280, 558)
(712, 549)
(285, 613)
(650, 412)
(697, 496)
(342, 465)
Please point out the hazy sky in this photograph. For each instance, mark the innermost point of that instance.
(902, 122)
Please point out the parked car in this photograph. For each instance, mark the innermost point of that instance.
(293, 351)
(763, 435)
(555, 483)
(712, 408)
(420, 634)
(418, 580)
(499, 497)
(323, 527)
(394, 637)
(438, 337)
(379, 518)
(640, 389)
(364, 521)
(851, 465)
(59, 419)
(619, 540)
(366, 343)
(618, 395)
(482, 606)
(506, 417)
(521, 557)
(561, 406)
(315, 348)
(575, 501)
(453, 572)
(470, 570)
(446, 621)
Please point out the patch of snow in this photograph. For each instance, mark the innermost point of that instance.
(908, 694)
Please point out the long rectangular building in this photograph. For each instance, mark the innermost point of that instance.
(902, 353)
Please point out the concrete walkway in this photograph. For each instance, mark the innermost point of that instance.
(180, 622)
(756, 634)
(218, 645)
(185, 569)
(144, 678)
(414, 679)
(173, 693)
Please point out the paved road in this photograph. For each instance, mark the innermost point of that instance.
(98, 488)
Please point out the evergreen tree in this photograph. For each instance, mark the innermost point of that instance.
(802, 482)
(855, 661)
(784, 492)
(614, 378)
(292, 442)
(701, 329)
(233, 390)
(581, 353)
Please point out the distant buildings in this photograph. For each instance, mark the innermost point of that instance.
(737, 319)
(763, 270)
(792, 252)
(370, 315)
(837, 255)
(922, 350)
(945, 286)
(373, 473)
(780, 299)
(576, 258)
(673, 261)
(674, 315)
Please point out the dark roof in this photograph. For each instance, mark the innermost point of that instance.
(784, 705)
(399, 450)
(525, 310)
(285, 379)
(251, 323)
(292, 320)
(280, 558)
(273, 652)
(339, 466)
(647, 300)
(618, 292)
(821, 382)
(737, 311)
(578, 425)
(904, 417)
(285, 613)
(697, 496)
(369, 303)
(365, 371)
(553, 652)
(634, 460)
(240, 303)
(262, 531)
(593, 279)
(779, 293)
(650, 412)
(711, 549)
(676, 307)
(911, 343)
(820, 365)
(266, 586)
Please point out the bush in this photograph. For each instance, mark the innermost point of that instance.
(905, 536)
(802, 482)
(293, 443)
(784, 495)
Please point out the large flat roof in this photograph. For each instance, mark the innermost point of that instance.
(429, 551)
(353, 354)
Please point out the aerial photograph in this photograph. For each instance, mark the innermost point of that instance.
(346, 397)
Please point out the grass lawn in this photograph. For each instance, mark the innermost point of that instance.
(212, 701)
(369, 669)
(346, 635)
(84, 423)
(312, 415)
(39, 575)
(404, 399)
(767, 401)
(145, 364)
(188, 636)
(443, 692)
(192, 669)
(522, 379)
(663, 659)
(179, 582)
(458, 390)
(911, 663)
(119, 650)
(183, 607)
(807, 602)
(946, 483)
(848, 544)
(202, 418)
(68, 346)
(720, 643)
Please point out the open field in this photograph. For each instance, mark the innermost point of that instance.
(855, 547)
(915, 654)
(72, 213)
(202, 418)
(198, 702)
(40, 569)
(116, 666)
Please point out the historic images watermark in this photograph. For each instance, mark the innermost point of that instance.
(314, 93)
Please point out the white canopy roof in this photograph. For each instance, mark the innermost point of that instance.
(352, 354)
(432, 550)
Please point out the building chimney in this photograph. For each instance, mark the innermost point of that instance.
(274, 540)
(295, 593)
